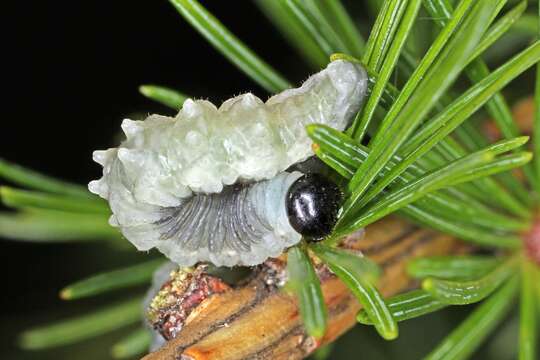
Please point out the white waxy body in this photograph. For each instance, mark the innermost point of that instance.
(166, 161)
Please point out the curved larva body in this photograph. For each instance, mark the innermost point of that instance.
(243, 224)
(168, 163)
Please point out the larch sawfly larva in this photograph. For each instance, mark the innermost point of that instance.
(215, 184)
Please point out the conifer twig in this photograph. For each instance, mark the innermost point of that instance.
(254, 321)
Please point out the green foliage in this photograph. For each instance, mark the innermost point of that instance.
(357, 273)
(455, 292)
(357, 264)
(477, 70)
(499, 28)
(383, 32)
(529, 312)
(407, 306)
(24, 199)
(286, 21)
(457, 112)
(314, 19)
(536, 124)
(34, 180)
(84, 327)
(444, 60)
(44, 226)
(475, 165)
(375, 53)
(452, 267)
(163, 95)
(111, 280)
(344, 155)
(59, 211)
(303, 281)
(466, 338)
(337, 16)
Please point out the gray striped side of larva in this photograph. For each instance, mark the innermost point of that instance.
(241, 222)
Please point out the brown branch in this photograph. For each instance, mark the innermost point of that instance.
(257, 321)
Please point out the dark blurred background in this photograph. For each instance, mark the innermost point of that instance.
(70, 75)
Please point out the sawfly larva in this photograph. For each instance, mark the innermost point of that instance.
(211, 184)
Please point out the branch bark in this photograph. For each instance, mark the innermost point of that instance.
(257, 321)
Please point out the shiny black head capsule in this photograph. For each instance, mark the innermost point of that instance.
(312, 205)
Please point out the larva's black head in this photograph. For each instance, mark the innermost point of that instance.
(312, 205)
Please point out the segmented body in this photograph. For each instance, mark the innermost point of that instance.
(209, 184)
(243, 224)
